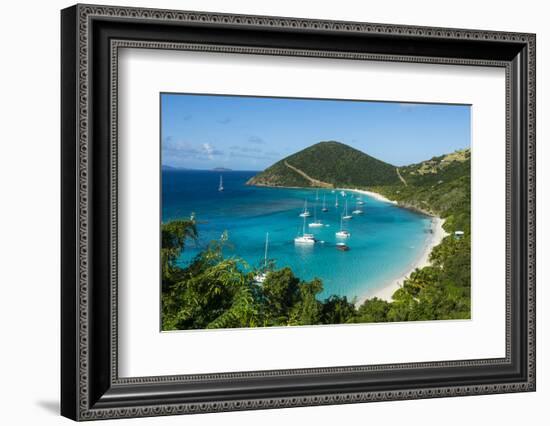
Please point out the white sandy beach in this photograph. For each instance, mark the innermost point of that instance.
(385, 292)
(374, 195)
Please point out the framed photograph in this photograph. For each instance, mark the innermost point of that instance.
(263, 212)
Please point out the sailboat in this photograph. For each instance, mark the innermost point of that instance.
(305, 239)
(324, 209)
(220, 188)
(342, 233)
(360, 201)
(306, 212)
(317, 195)
(260, 277)
(316, 223)
(357, 209)
(346, 216)
(336, 202)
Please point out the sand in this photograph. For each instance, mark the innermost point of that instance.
(374, 195)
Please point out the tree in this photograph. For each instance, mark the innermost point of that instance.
(211, 293)
(373, 310)
(173, 237)
(308, 310)
(281, 290)
(337, 310)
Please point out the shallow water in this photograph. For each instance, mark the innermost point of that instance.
(384, 241)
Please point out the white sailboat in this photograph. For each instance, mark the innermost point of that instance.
(317, 195)
(260, 278)
(316, 223)
(342, 233)
(324, 209)
(360, 200)
(306, 239)
(220, 188)
(336, 202)
(346, 216)
(357, 210)
(306, 212)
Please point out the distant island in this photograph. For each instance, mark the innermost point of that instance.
(166, 167)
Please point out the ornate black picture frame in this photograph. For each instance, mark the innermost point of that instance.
(91, 36)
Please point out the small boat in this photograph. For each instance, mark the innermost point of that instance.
(357, 210)
(306, 212)
(346, 216)
(342, 247)
(260, 277)
(304, 239)
(324, 209)
(316, 223)
(220, 187)
(342, 193)
(336, 202)
(342, 233)
(360, 201)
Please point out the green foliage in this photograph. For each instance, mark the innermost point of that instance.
(337, 310)
(173, 237)
(443, 190)
(373, 310)
(331, 162)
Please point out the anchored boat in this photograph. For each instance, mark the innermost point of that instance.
(306, 212)
(324, 209)
(305, 239)
(316, 223)
(346, 216)
(342, 233)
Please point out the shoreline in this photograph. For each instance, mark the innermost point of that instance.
(375, 195)
(386, 291)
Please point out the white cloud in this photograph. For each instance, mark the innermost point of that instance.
(209, 151)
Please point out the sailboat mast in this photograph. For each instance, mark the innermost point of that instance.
(266, 243)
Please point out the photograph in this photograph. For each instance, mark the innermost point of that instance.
(267, 208)
(281, 212)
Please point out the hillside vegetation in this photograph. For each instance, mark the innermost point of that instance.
(332, 163)
(439, 186)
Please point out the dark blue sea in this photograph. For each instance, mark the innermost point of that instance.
(385, 241)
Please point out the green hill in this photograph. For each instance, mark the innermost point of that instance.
(439, 186)
(328, 164)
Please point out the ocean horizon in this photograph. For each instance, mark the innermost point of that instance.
(385, 241)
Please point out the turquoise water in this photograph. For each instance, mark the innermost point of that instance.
(384, 242)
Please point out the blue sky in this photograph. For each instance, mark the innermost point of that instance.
(251, 133)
